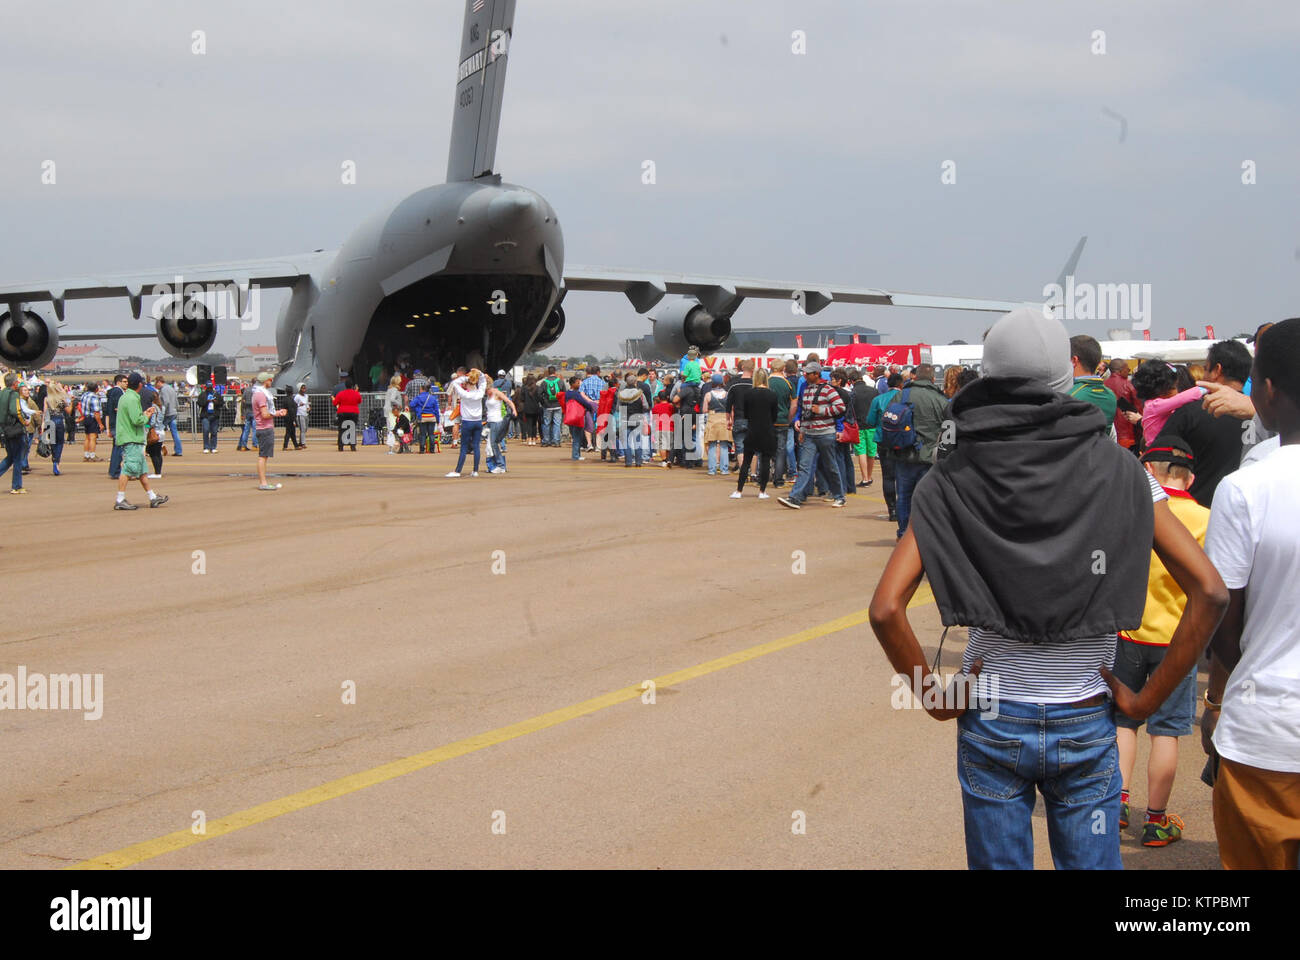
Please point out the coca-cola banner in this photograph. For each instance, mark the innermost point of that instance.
(857, 354)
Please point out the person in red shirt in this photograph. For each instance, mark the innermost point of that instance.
(348, 404)
(605, 421)
(663, 420)
(1128, 414)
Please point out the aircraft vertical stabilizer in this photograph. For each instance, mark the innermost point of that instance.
(480, 85)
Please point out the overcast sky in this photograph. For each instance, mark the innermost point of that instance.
(823, 166)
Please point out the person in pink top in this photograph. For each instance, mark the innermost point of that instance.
(264, 414)
(1156, 385)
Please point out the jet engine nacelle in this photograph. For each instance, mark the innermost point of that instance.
(27, 341)
(550, 332)
(185, 330)
(685, 323)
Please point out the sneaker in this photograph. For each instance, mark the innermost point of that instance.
(158, 501)
(153, 476)
(1123, 815)
(268, 486)
(497, 470)
(837, 503)
(765, 496)
(474, 474)
(787, 502)
(735, 495)
(828, 500)
(1163, 832)
(453, 474)
(123, 505)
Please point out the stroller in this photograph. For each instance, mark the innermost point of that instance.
(376, 428)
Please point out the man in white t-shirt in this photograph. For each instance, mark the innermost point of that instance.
(1252, 700)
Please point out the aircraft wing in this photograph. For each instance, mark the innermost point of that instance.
(721, 295)
(238, 274)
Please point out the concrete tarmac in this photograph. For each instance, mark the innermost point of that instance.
(494, 636)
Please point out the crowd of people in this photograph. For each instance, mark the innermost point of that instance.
(1100, 530)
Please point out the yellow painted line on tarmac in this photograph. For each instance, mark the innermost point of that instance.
(148, 849)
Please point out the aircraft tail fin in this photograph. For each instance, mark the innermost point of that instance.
(480, 85)
(1072, 263)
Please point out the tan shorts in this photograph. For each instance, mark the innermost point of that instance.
(1256, 817)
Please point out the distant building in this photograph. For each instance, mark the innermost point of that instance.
(815, 337)
(85, 358)
(252, 359)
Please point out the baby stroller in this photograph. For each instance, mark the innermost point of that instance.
(376, 427)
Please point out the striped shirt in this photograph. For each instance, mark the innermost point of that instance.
(1042, 672)
(823, 395)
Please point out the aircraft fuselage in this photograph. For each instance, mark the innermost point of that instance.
(460, 273)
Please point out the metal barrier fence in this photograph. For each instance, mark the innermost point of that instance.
(321, 415)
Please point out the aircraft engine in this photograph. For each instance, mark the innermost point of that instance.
(550, 332)
(186, 330)
(685, 323)
(28, 341)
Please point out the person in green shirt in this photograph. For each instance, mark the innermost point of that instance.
(690, 366)
(129, 434)
(1086, 357)
(780, 385)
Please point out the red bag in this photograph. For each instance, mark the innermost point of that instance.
(850, 432)
(575, 414)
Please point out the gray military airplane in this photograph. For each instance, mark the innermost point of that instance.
(467, 272)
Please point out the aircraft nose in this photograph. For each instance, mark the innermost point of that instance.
(511, 209)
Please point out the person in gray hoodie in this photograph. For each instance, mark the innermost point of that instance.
(633, 412)
(168, 401)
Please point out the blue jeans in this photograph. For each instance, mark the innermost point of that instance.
(27, 449)
(719, 457)
(739, 429)
(791, 455)
(170, 424)
(634, 439)
(552, 420)
(13, 459)
(115, 460)
(497, 444)
(578, 441)
(848, 472)
(907, 474)
(471, 433)
(783, 438)
(1068, 753)
(247, 433)
(60, 437)
(210, 425)
(817, 451)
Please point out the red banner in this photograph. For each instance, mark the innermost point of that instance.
(1209, 331)
(1146, 334)
(1182, 333)
(798, 340)
(857, 354)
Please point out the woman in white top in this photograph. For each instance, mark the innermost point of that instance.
(498, 423)
(393, 398)
(468, 393)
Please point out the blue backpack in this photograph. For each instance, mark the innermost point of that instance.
(896, 429)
